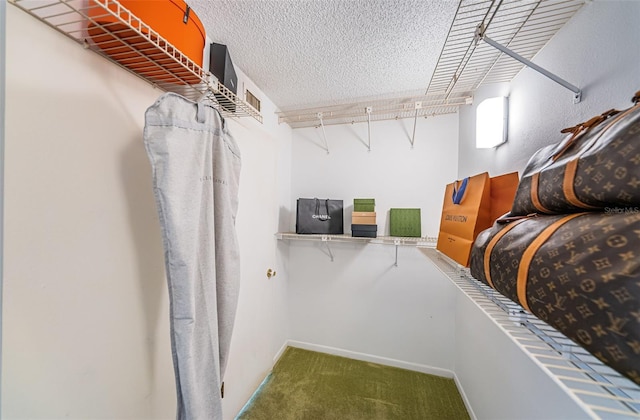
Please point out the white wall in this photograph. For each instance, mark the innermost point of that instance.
(85, 308)
(360, 302)
(393, 173)
(594, 52)
(498, 379)
(3, 12)
(261, 323)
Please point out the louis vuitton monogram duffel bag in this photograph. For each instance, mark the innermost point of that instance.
(597, 167)
(580, 273)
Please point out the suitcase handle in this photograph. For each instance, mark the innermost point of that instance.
(580, 130)
(185, 18)
(509, 219)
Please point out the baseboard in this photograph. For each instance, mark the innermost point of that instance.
(370, 358)
(466, 401)
(279, 353)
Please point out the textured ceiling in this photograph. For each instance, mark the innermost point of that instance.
(310, 52)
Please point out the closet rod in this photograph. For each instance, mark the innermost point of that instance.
(481, 35)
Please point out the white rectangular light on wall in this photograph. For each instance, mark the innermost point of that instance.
(491, 122)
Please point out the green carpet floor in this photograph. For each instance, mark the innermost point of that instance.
(306, 385)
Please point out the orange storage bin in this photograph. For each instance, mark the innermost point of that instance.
(171, 19)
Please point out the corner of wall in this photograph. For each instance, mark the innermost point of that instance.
(3, 6)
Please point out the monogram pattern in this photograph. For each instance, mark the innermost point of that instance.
(522, 203)
(607, 173)
(584, 280)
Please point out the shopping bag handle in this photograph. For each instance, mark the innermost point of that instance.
(322, 217)
(458, 193)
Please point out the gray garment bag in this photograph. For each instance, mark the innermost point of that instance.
(196, 170)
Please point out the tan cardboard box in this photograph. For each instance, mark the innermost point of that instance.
(363, 218)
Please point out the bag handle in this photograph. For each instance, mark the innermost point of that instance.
(185, 18)
(507, 218)
(580, 130)
(458, 193)
(317, 212)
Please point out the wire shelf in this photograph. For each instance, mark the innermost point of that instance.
(397, 241)
(524, 27)
(601, 391)
(383, 240)
(380, 110)
(112, 31)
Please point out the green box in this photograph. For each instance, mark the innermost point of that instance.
(405, 222)
(364, 204)
(364, 207)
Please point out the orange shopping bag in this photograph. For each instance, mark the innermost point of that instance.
(503, 192)
(466, 211)
(471, 206)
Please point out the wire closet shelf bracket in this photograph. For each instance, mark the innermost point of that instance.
(136, 47)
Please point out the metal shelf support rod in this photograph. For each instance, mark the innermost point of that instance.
(324, 136)
(577, 91)
(396, 263)
(368, 111)
(418, 105)
(415, 121)
(325, 239)
(396, 242)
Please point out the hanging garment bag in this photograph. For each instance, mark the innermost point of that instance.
(322, 216)
(577, 272)
(196, 173)
(597, 167)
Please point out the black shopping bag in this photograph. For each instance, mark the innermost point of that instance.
(315, 215)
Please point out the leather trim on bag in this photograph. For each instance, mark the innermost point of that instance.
(491, 245)
(535, 199)
(580, 130)
(618, 116)
(530, 252)
(568, 186)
